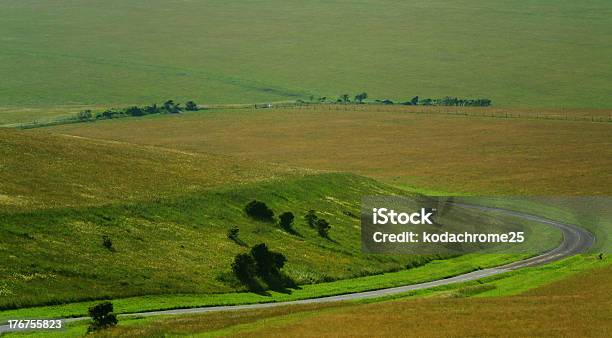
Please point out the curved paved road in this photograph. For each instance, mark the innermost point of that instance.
(575, 240)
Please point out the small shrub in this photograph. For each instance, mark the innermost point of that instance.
(323, 227)
(152, 109)
(233, 233)
(107, 243)
(259, 211)
(311, 218)
(135, 111)
(102, 317)
(85, 115)
(286, 221)
(191, 106)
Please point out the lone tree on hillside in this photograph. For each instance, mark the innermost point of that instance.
(102, 317)
(286, 221)
(191, 106)
(263, 264)
(360, 97)
(323, 228)
(259, 211)
(311, 218)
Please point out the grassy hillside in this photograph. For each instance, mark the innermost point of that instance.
(42, 170)
(471, 154)
(180, 245)
(519, 53)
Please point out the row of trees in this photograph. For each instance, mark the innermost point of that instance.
(168, 107)
(415, 101)
(260, 211)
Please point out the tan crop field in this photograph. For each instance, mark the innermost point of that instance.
(439, 152)
(564, 308)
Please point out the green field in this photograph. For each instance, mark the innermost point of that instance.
(522, 53)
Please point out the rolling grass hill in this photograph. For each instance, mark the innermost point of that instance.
(520, 53)
(180, 245)
(167, 213)
(43, 170)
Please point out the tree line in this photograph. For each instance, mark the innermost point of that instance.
(168, 107)
(415, 101)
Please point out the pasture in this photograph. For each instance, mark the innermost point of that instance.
(115, 53)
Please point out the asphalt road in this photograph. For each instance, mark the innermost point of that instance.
(575, 240)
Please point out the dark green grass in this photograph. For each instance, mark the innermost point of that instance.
(519, 53)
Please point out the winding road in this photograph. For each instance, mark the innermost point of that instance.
(575, 240)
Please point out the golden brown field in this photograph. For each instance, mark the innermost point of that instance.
(564, 308)
(439, 152)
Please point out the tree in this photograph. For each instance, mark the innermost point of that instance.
(286, 221)
(259, 211)
(360, 97)
(102, 317)
(191, 106)
(415, 101)
(108, 114)
(85, 115)
(244, 268)
(323, 228)
(171, 107)
(268, 263)
(152, 109)
(311, 218)
(135, 111)
(345, 98)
